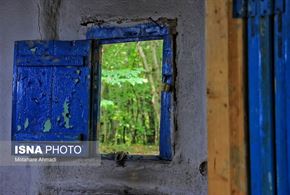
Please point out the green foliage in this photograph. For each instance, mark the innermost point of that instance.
(119, 77)
(107, 104)
(130, 104)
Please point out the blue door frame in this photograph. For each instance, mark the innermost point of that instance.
(268, 34)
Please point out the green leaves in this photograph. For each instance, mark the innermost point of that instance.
(121, 76)
(107, 104)
(130, 91)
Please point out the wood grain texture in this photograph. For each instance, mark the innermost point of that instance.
(226, 100)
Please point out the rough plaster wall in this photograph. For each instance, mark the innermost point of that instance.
(48, 17)
(61, 19)
(18, 20)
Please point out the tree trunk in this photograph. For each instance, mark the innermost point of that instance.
(153, 82)
(151, 133)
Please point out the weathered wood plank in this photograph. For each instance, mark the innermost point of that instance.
(218, 98)
(50, 61)
(225, 89)
(237, 111)
(52, 86)
(53, 48)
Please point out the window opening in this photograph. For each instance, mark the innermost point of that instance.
(131, 84)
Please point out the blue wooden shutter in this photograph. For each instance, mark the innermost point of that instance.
(51, 90)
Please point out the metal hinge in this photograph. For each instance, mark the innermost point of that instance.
(252, 8)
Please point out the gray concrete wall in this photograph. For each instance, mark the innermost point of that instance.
(61, 19)
(18, 20)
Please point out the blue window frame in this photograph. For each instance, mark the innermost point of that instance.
(141, 32)
(56, 85)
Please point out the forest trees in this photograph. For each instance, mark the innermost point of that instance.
(130, 97)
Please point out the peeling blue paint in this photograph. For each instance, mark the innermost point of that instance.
(33, 50)
(77, 81)
(142, 31)
(51, 81)
(26, 123)
(66, 114)
(47, 126)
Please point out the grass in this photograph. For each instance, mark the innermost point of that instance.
(133, 149)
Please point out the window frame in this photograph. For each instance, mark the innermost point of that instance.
(140, 32)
